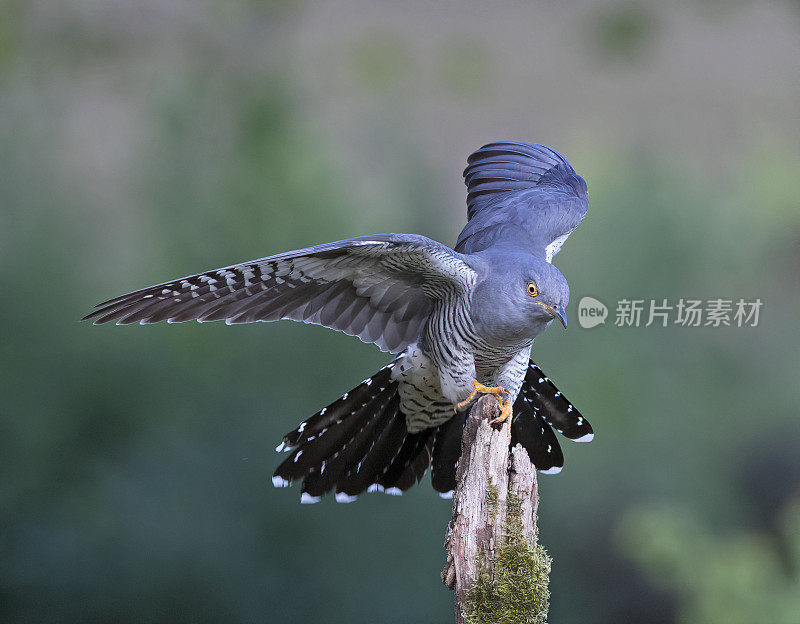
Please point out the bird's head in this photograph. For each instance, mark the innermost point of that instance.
(518, 297)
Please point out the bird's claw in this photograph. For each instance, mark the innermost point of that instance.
(506, 409)
(479, 388)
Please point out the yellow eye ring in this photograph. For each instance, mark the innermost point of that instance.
(533, 291)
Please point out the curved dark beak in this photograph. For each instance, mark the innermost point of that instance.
(556, 312)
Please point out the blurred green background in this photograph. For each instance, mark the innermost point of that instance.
(147, 139)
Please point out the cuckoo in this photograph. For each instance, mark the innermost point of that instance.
(459, 322)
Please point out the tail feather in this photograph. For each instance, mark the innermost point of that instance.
(540, 407)
(360, 441)
(366, 474)
(417, 468)
(342, 407)
(446, 451)
(547, 400)
(397, 474)
(529, 429)
(341, 424)
(314, 451)
(324, 478)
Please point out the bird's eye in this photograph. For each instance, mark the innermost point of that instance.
(532, 289)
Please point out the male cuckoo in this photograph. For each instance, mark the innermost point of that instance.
(461, 322)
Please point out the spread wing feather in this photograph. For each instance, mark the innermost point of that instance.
(523, 194)
(380, 288)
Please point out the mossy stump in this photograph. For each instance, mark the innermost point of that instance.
(498, 570)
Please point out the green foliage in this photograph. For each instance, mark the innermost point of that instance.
(141, 145)
(735, 578)
(623, 30)
(491, 497)
(465, 64)
(381, 62)
(517, 592)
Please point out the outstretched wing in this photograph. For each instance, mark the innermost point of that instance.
(524, 194)
(380, 288)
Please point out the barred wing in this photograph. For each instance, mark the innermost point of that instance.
(380, 288)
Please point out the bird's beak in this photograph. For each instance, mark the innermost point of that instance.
(557, 312)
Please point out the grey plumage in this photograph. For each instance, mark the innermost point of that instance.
(380, 288)
(522, 194)
(451, 316)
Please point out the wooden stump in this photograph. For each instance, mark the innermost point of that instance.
(494, 563)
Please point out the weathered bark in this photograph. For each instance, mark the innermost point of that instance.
(494, 509)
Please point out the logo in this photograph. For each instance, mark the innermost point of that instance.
(591, 312)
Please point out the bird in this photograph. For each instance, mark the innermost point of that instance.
(459, 323)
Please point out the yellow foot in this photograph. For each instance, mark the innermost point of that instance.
(506, 409)
(479, 388)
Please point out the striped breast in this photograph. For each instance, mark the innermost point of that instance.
(450, 338)
(421, 398)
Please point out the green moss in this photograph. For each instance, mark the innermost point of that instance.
(518, 590)
(491, 497)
